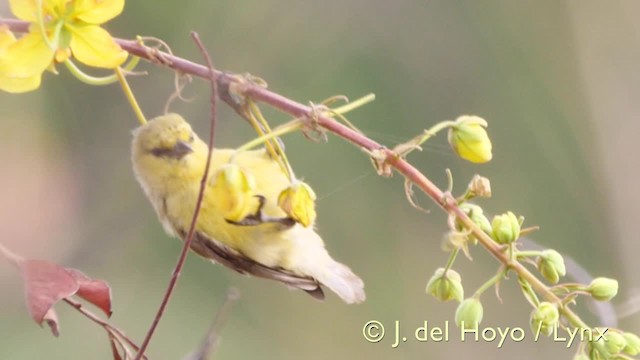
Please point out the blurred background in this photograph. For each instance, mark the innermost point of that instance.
(558, 82)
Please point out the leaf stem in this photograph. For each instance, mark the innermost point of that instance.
(130, 97)
(96, 319)
(491, 282)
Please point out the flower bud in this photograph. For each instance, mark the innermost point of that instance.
(614, 343)
(469, 313)
(445, 287)
(479, 186)
(506, 228)
(476, 214)
(298, 202)
(603, 289)
(545, 317)
(469, 139)
(633, 344)
(233, 191)
(581, 356)
(551, 265)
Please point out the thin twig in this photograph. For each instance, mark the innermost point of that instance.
(187, 243)
(209, 344)
(96, 319)
(14, 259)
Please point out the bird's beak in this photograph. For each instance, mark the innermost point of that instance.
(181, 149)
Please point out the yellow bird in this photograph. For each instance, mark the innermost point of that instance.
(242, 226)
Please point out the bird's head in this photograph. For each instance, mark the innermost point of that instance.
(166, 147)
(167, 136)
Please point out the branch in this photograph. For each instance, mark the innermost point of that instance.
(209, 344)
(108, 327)
(284, 104)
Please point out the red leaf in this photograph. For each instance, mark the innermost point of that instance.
(46, 284)
(96, 292)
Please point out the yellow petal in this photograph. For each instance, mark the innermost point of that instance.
(298, 202)
(57, 7)
(28, 9)
(94, 46)
(27, 57)
(97, 11)
(233, 192)
(6, 37)
(24, 9)
(19, 84)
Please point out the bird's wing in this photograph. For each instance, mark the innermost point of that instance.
(214, 250)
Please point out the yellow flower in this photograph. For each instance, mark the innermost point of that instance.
(59, 29)
(469, 139)
(298, 201)
(234, 191)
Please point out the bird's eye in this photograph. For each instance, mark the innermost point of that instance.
(191, 137)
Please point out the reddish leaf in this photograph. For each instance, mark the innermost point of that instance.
(46, 284)
(96, 292)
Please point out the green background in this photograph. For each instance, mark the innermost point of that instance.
(557, 81)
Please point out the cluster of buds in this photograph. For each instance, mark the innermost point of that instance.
(614, 344)
(506, 229)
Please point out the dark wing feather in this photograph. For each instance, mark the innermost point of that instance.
(213, 250)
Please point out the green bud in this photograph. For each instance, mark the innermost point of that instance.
(581, 356)
(603, 289)
(545, 317)
(445, 287)
(633, 344)
(614, 342)
(506, 228)
(476, 214)
(551, 265)
(469, 139)
(598, 350)
(469, 313)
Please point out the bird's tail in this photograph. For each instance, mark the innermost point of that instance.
(342, 281)
(315, 261)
